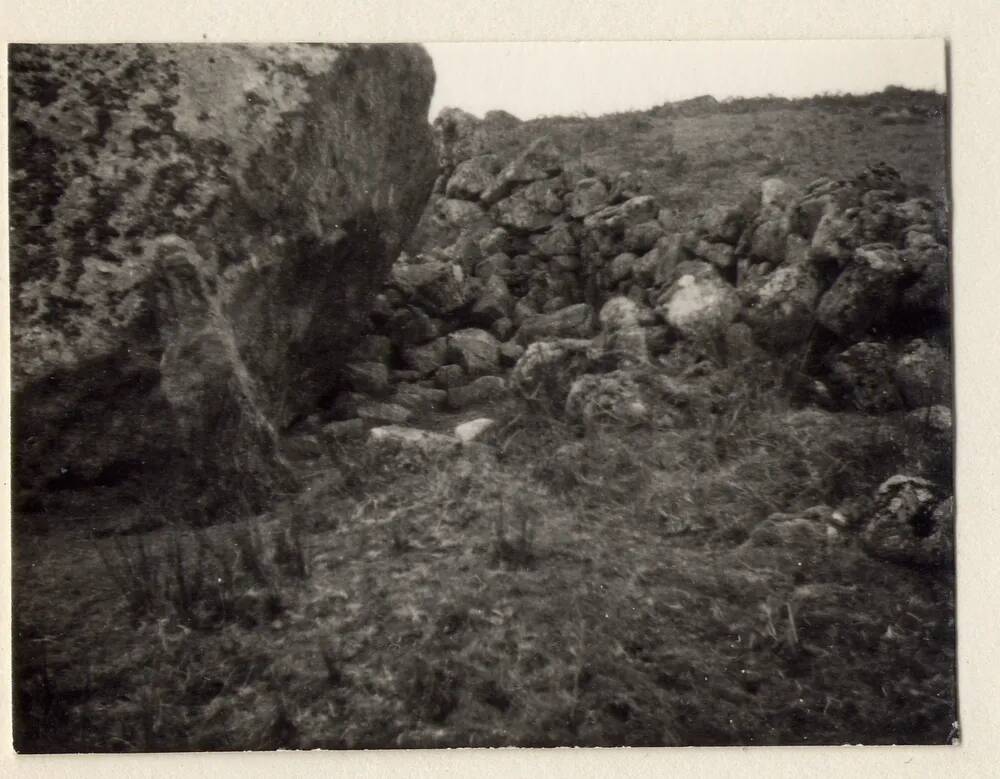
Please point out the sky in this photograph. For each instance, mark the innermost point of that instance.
(538, 79)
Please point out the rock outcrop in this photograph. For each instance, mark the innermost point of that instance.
(198, 235)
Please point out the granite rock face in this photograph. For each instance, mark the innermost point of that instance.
(198, 232)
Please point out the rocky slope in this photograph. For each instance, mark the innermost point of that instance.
(197, 233)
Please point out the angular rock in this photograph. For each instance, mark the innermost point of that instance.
(384, 412)
(622, 341)
(344, 430)
(370, 378)
(427, 358)
(476, 351)
(448, 376)
(520, 214)
(769, 241)
(485, 389)
(622, 266)
(573, 321)
(558, 240)
(589, 195)
(782, 311)
(721, 255)
(547, 369)
(911, 524)
(609, 398)
(865, 293)
(437, 287)
(538, 162)
(419, 399)
(618, 217)
(699, 305)
(399, 437)
(411, 325)
(502, 329)
(923, 374)
(862, 377)
(459, 213)
(496, 241)
(494, 302)
(722, 224)
(510, 353)
(472, 177)
(642, 237)
(473, 429)
(172, 272)
(373, 348)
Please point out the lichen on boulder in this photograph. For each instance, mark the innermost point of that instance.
(211, 221)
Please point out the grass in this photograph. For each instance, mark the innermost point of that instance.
(600, 586)
(591, 587)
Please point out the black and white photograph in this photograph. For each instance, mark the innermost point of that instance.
(408, 396)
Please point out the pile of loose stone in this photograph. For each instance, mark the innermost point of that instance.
(851, 272)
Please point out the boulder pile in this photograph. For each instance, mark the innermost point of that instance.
(848, 279)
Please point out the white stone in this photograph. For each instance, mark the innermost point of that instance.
(470, 431)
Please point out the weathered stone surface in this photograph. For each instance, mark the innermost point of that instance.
(642, 237)
(521, 214)
(475, 350)
(371, 378)
(865, 292)
(343, 430)
(419, 399)
(699, 304)
(923, 374)
(493, 303)
(473, 429)
(610, 398)
(589, 195)
(558, 240)
(399, 437)
(472, 177)
(163, 235)
(373, 348)
(411, 325)
(721, 255)
(437, 287)
(782, 310)
(862, 377)
(448, 376)
(618, 217)
(569, 322)
(485, 389)
(384, 412)
(722, 224)
(911, 523)
(622, 341)
(547, 369)
(427, 358)
(538, 162)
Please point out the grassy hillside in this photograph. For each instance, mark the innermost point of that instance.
(602, 585)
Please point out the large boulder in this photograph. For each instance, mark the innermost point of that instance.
(197, 234)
